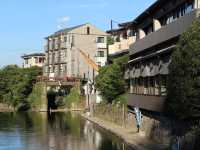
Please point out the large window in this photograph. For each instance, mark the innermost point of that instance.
(178, 12)
(41, 60)
(100, 53)
(36, 60)
(65, 39)
(100, 40)
(26, 61)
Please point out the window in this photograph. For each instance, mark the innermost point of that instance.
(189, 7)
(100, 53)
(100, 40)
(53, 43)
(131, 33)
(88, 30)
(124, 35)
(73, 42)
(36, 60)
(65, 68)
(41, 60)
(26, 61)
(65, 39)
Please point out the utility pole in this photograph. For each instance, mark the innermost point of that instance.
(111, 25)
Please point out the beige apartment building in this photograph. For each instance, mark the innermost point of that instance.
(31, 60)
(67, 49)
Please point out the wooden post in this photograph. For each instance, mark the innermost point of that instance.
(124, 116)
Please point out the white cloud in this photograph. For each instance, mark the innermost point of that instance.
(64, 19)
(62, 22)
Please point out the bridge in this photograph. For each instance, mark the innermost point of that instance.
(56, 84)
(58, 81)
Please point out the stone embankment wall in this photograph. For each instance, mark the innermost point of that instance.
(158, 130)
(5, 108)
(155, 127)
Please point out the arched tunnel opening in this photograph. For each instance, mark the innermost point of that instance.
(55, 97)
(51, 97)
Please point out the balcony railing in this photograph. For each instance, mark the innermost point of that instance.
(122, 45)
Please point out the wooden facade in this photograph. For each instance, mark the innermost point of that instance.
(157, 31)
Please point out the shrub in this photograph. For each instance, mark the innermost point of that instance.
(183, 99)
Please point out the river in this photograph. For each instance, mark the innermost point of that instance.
(55, 131)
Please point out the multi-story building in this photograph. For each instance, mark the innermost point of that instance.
(122, 38)
(156, 31)
(65, 51)
(31, 60)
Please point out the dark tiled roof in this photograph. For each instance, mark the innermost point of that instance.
(148, 11)
(32, 55)
(115, 30)
(66, 30)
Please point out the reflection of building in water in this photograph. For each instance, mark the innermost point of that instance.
(61, 131)
(94, 137)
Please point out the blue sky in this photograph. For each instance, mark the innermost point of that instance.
(25, 23)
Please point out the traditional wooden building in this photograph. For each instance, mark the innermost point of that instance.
(156, 31)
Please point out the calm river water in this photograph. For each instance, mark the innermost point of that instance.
(55, 131)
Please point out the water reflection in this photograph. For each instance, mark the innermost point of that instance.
(55, 131)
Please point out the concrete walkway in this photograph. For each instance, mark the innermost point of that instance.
(5, 108)
(137, 141)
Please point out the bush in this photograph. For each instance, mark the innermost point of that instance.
(36, 97)
(110, 81)
(183, 100)
(73, 97)
(59, 102)
(16, 84)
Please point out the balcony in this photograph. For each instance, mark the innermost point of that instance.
(122, 45)
(150, 103)
(165, 33)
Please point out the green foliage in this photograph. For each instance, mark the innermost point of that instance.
(73, 97)
(110, 40)
(16, 84)
(121, 99)
(36, 97)
(184, 79)
(59, 101)
(110, 81)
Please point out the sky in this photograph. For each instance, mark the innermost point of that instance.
(25, 23)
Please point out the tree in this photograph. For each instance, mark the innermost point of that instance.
(110, 40)
(110, 81)
(16, 84)
(183, 100)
